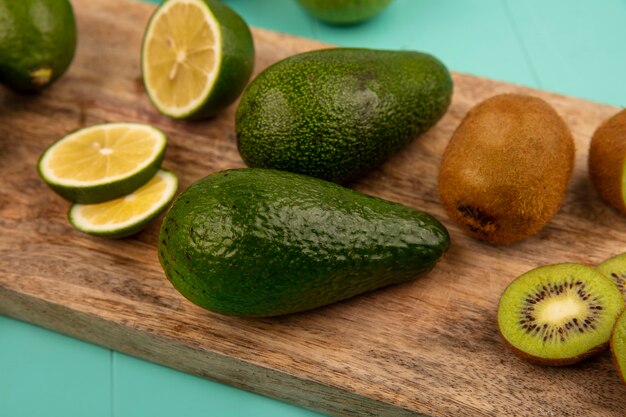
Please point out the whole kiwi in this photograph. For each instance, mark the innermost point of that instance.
(504, 173)
(607, 156)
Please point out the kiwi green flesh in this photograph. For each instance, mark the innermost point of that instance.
(618, 346)
(559, 314)
(615, 269)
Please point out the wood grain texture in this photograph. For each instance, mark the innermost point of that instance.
(426, 347)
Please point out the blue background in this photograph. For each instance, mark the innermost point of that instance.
(575, 47)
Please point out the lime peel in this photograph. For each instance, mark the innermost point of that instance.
(103, 219)
(41, 76)
(103, 162)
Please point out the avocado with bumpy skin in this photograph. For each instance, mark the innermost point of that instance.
(337, 113)
(258, 242)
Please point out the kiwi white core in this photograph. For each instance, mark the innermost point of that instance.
(561, 309)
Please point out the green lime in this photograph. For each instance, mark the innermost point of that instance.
(344, 12)
(37, 42)
(197, 57)
(103, 162)
(126, 215)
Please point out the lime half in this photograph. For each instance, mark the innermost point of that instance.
(103, 162)
(126, 215)
(197, 57)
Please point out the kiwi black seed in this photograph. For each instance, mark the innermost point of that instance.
(559, 314)
(615, 268)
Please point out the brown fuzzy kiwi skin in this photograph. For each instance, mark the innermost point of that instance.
(607, 154)
(553, 362)
(505, 171)
(613, 354)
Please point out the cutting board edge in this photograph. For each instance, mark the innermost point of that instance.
(144, 340)
(232, 371)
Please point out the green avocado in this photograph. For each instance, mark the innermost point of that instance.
(37, 42)
(337, 113)
(261, 242)
(344, 12)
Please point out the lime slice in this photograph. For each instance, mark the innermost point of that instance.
(196, 59)
(103, 162)
(126, 215)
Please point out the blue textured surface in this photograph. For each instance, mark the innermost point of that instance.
(43, 373)
(144, 389)
(575, 47)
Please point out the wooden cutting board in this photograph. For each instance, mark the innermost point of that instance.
(425, 347)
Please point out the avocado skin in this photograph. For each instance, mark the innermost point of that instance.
(260, 242)
(337, 113)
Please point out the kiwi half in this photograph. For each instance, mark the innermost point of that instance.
(615, 268)
(607, 161)
(618, 346)
(559, 314)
